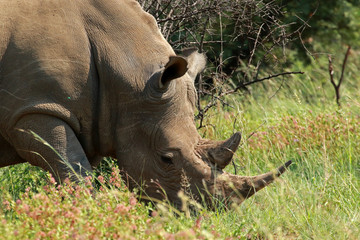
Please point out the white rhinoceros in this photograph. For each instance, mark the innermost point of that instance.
(96, 78)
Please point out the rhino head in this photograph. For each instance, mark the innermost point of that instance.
(167, 148)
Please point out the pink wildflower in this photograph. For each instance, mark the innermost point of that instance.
(26, 208)
(120, 208)
(169, 236)
(88, 181)
(6, 204)
(132, 201)
(52, 181)
(41, 234)
(198, 222)
(67, 181)
(101, 179)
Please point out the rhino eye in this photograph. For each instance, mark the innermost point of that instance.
(166, 159)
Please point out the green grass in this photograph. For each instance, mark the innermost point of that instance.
(318, 198)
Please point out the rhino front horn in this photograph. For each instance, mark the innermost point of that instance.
(244, 187)
(222, 154)
(261, 181)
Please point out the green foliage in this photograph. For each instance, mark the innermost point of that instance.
(333, 23)
(12, 179)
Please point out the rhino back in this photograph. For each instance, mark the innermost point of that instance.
(45, 63)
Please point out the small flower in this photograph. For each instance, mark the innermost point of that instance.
(69, 215)
(51, 232)
(169, 236)
(88, 180)
(120, 208)
(198, 223)
(6, 204)
(41, 234)
(67, 181)
(101, 179)
(52, 181)
(132, 201)
(26, 208)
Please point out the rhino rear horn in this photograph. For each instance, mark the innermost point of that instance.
(175, 68)
(222, 154)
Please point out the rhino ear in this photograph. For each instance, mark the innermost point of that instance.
(196, 61)
(175, 68)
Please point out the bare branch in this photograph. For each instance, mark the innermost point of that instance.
(331, 73)
(344, 64)
(259, 80)
(255, 44)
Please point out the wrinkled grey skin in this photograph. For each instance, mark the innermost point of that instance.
(97, 78)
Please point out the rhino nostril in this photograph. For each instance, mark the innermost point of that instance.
(166, 159)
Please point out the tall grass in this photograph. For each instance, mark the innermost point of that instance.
(318, 198)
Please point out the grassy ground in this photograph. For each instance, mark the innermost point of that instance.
(318, 198)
